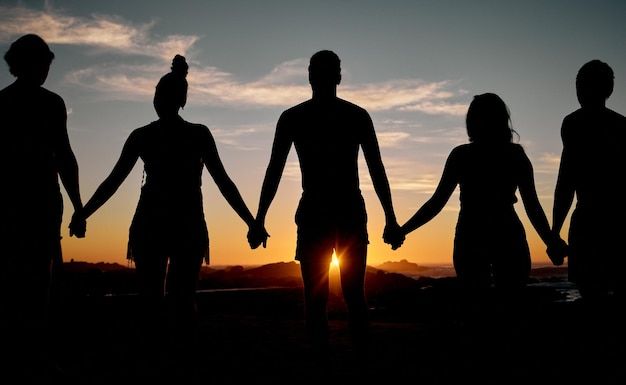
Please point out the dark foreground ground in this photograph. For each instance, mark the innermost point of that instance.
(257, 337)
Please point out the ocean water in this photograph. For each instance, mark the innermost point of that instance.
(568, 290)
(557, 282)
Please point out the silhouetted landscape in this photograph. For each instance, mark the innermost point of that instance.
(251, 329)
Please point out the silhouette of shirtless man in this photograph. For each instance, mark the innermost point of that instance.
(35, 153)
(592, 169)
(327, 133)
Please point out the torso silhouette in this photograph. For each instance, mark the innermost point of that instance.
(488, 177)
(488, 227)
(32, 128)
(170, 215)
(595, 140)
(593, 152)
(327, 136)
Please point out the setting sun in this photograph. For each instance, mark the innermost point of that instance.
(334, 263)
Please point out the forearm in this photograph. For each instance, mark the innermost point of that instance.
(563, 199)
(104, 192)
(68, 172)
(541, 225)
(268, 192)
(383, 191)
(384, 195)
(234, 199)
(428, 211)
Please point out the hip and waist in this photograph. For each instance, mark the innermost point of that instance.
(505, 219)
(336, 208)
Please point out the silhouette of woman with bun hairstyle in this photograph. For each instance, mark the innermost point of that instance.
(490, 244)
(35, 152)
(168, 237)
(592, 167)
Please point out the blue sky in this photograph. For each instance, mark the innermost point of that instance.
(415, 66)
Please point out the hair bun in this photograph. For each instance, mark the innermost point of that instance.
(180, 66)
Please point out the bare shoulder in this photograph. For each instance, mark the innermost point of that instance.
(352, 108)
(460, 151)
(299, 111)
(621, 119)
(198, 128)
(52, 100)
(140, 133)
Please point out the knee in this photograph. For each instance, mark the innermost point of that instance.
(354, 296)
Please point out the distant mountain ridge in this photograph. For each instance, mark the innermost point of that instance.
(400, 266)
(102, 278)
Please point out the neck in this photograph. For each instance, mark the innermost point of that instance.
(169, 117)
(325, 93)
(25, 82)
(594, 106)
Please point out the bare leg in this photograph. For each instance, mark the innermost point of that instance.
(315, 279)
(150, 270)
(353, 265)
(182, 279)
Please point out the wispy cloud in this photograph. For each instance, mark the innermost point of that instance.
(97, 31)
(285, 85)
(437, 108)
(280, 88)
(401, 132)
(238, 137)
(547, 163)
(403, 175)
(392, 139)
(292, 171)
(451, 136)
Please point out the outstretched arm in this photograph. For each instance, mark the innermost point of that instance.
(563, 193)
(120, 171)
(68, 167)
(280, 151)
(224, 183)
(371, 152)
(556, 246)
(432, 207)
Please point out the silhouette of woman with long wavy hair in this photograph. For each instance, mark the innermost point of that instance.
(168, 237)
(35, 152)
(592, 164)
(490, 244)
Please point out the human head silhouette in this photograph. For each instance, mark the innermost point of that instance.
(171, 91)
(594, 83)
(324, 70)
(29, 59)
(488, 119)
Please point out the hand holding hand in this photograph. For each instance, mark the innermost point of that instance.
(557, 251)
(393, 235)
(78, 225)
(257, 235)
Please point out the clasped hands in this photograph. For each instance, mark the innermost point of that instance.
(257, 235)
(557, 250)
(78, 225)
(393, 235)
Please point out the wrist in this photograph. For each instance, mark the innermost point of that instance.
(391, 221)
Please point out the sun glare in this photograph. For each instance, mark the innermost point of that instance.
(334, 263)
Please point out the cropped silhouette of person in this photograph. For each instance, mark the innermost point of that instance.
(168, 238)
(490, 244)
(591, 164)
(327, 133)
(35, 152)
